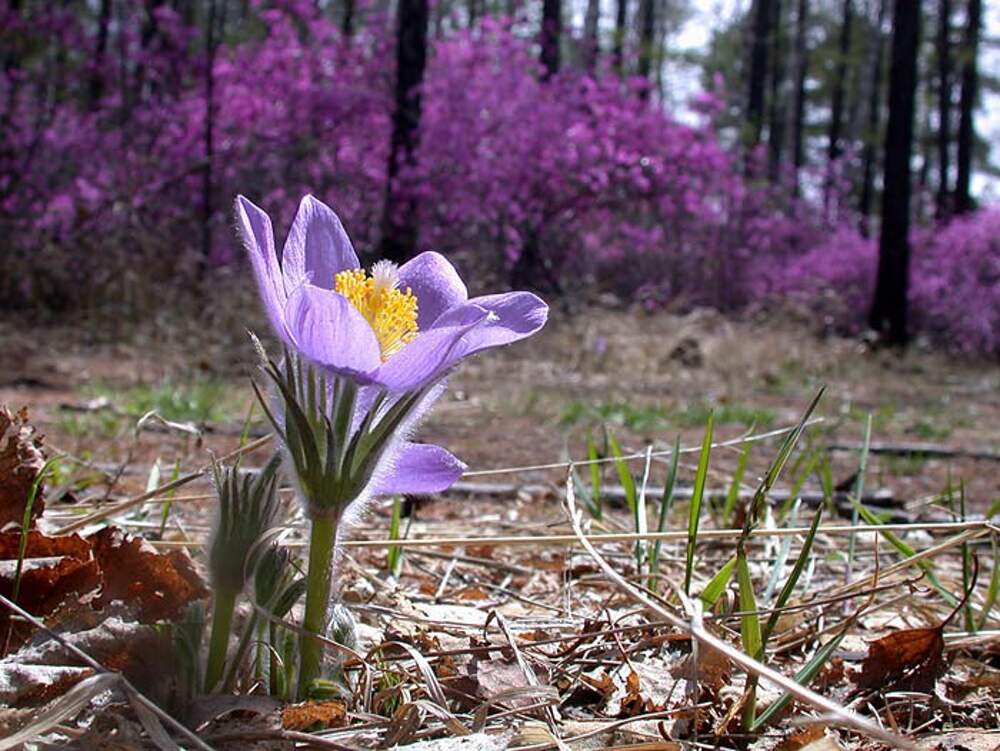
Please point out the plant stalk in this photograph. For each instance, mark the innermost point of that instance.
(322, 539)
(222, 621)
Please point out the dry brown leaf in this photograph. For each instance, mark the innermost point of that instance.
(158, 585)
(21, 459)
(910, 659)
(713, 670)
(314, 714)
(812, 738)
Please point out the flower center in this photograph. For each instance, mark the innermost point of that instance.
(390, 312)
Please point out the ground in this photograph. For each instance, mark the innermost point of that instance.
(572, 650)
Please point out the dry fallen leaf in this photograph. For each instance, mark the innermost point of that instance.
(21, 459)
(158, 585)
(313, 714)
(910, 659)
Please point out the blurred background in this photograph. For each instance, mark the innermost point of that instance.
(726, 203)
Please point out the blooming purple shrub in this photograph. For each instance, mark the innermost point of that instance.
(575, 178)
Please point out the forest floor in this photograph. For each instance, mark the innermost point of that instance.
(537, 644)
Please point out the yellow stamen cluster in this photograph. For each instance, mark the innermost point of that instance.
(391, 312)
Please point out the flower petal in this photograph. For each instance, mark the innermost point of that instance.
(419, 468)
(258, 239)
(436, 285)
(430, 354)
(330, 331)
(317, 247)
(513, 316)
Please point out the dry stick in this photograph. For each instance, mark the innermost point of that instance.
(803, 694)
(91, 662)
(975, 528)
(140, 499)
(739, 441)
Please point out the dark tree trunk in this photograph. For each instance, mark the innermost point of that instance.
(799, 107)
(869, 154)
(775, 127)
(551, 32)
(399, 223)
(347, 21)
(889, 308)
(591, 22)
(100, 53)
(834, 149)
(618, 51)
(207, 177)
(647, 33)
(944, 107)
(761, 16)
(966, 106)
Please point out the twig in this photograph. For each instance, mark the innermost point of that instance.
(806, 695)
(932, 450)
(140, 499)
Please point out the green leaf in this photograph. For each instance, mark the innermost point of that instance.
(750, 634)
(394, 556)
(994, 589)
(666, 502)
(859, 488)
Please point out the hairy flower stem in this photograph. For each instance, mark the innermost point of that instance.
(322, 539)
(222, 621)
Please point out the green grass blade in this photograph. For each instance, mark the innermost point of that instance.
(394, 556)
(22, 548)
(694, 512)
(624, 473)
(666, 502)
(994, 588)
(733, 496)
(750, 634)
(714, 589)
(641, 520)
(907, 552)
(593, 456)
(793, 577)
(804, 677)
(859, 490)
(169, 499)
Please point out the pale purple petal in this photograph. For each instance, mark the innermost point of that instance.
(258, 239)
(512, 316)
(419, 468)
(330, 331)
(436, 285)
(317, 247)
(429, 355)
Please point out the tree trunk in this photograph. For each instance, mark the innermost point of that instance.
(551, 31)
(798, 109)
(944, 107)
(207, 177)
(869, 153)
(966, 106)
(647, 31)
(591, 22)
(347, 21)
(399, 221)
(618, 52)
(775, 127)
(889, 308)
(760, 19)
(100, 52)
(834, 149)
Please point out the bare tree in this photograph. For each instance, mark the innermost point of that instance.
(591, 22)
(834, 149)
(618, 50)
(647, 32)
(944, 105)
(399, 221)
(761, 18)
(869, 153)
(551, 33)
(889, 308)
(966, 106)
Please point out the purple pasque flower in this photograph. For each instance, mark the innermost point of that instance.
(397, 327)
(393, 334)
